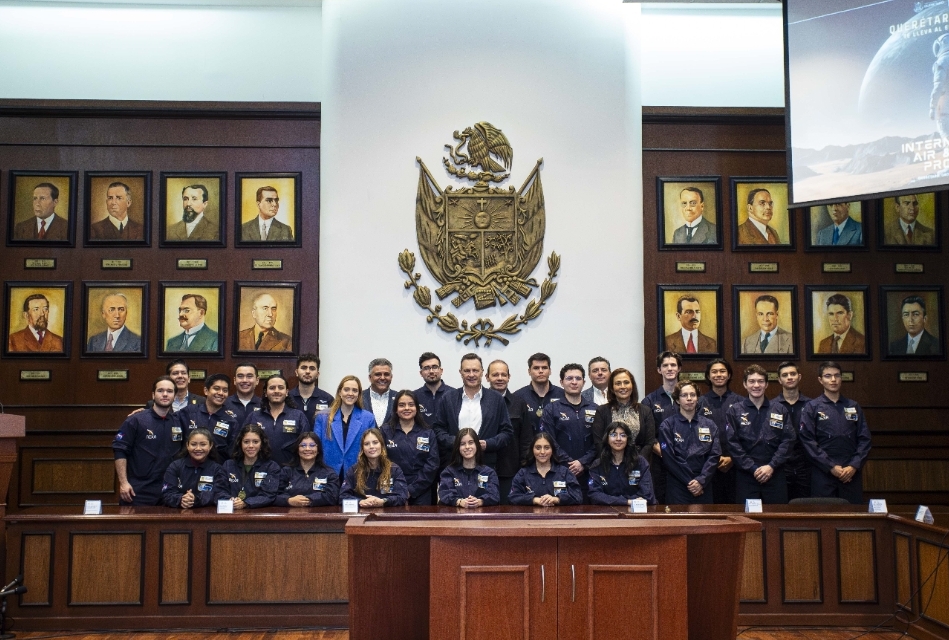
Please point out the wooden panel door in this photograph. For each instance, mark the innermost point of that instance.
(498, 588)
(623, 588)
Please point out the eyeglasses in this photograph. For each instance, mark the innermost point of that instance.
(433, 367)
(573, 379)
(831, 376)
(308, 445)
(619, 435)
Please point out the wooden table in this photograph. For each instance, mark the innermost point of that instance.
(559, 577)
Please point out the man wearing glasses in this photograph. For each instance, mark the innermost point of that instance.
(570, 421)
(430, 368)
(836, 438)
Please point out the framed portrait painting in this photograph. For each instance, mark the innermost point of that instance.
(192, 317)
(836, 227)
(838, 323)
(910, 222)
(913, 321)
(114, 317)
(766, 322)
(690, 321)
(37, 319)
(42, 208)
(689, 210)
(118, 208)
(193, 206)
(268, 318)
(268, 209)
(760, 217)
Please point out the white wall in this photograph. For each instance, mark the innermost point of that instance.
(109, 52)
(400, 76)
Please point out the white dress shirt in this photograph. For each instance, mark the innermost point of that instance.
(380, 405)
(470, 414)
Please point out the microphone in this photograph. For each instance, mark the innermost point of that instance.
(17, 580)
(10, 592)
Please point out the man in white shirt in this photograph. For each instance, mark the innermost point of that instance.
(379, 397)
(599, 369)
(117, 337)
(265, 227)
(688, 339)
(117, 225)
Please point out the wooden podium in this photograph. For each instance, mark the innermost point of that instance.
(563, 577)
(11, 428)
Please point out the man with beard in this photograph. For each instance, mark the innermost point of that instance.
(844, 231)
(430, 368)
(118, 225)
(264, 336)
(194, 225)
(36, 336)
(310, 399)
(688, 339)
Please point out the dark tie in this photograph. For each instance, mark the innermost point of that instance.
(764, 343)
(121, 227)
(184, 341)
(836, 235)
(835, 344)
(108, 345)
(690, 348)
(42, 335)
(260, 336)
(688, 233)
(909, 236)
(42, 233)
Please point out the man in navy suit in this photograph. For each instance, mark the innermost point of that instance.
(917, 341)
(117, 337)
(475, 407)
(196, 335)
(844, 231)
(379, 398)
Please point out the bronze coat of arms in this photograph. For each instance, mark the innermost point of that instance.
(480, 242)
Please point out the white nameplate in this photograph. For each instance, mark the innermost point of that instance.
(92, 508)
(878, 506)
(351, 505)
(638, 505)
(923, 514)
(753, 505)
(225, 506)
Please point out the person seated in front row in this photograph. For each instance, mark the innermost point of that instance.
(466, 482)
(543, 480)
(279, 418)
(375, 479)
(342, 427)
(412, 445)
(306, 481)
(621, 474)
(690, 449)
(194, 478)
(252, 476)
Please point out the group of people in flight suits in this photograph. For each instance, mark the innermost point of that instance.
(483, 445)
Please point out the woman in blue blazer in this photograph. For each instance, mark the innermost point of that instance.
(342, 427)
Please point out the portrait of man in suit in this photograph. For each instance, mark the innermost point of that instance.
(688, 339)
(844, 338)
(917, 341)
(194, 225)
(117, 225)
(264, 336)
(697, 229)
(769, 338)
(45, 223)
(196, 336)
(117, 338)
(265, 227)
(757, 228)
(901, 225)
(36, 336)
(843, 230)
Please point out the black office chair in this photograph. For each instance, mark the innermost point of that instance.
(819, 500)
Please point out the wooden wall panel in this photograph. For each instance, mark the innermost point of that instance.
(934, 594)
(106, 568)
(753, 578)
(801, 564)
(234, 581)
(175, 577)
(901, 550)
(36, 569)
(857, 568)
(640, 584)
(64, 470)
(63, 475)
(505, 592)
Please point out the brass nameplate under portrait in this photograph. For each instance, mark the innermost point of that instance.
(198, 374)
(112, 374)
(266, 373)
(113, 263)
(267, 264)
(772, 376)
(846, 376)
(194, 263)
(690, 267)
(837, 267)
(762, 267)
(39, 263)
(909, 267)
(914, 376)
(36, 375)
(692, 376)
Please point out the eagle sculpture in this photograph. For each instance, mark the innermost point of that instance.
(485, 143)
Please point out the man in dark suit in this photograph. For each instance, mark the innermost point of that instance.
(688, 339)
(379, 397)
(510, 457)
(36, 336)
(905, 229)
(844, 230)
(696, 230)
(194, 226)
(263, 336)
(265, 227)
(45, 224)
(196, 336)
(476, 407)
(117, 225)
(844, 339)
(117, 337)
(917, 341)
(756, 230)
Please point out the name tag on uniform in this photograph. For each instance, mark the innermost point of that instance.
(176, 434)
(482, 482)
(850, 413)
(559, 486)
(322, 407)
(777, 421)
(705, 434)
(221, 429)
(387, 487)
(289, 426)
(205, 483)
(259, 477)
(422, 444)
(319, 484)
(634, 477)
(590, 414)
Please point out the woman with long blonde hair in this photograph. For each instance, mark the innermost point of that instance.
(342, 427)
(375, 479)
